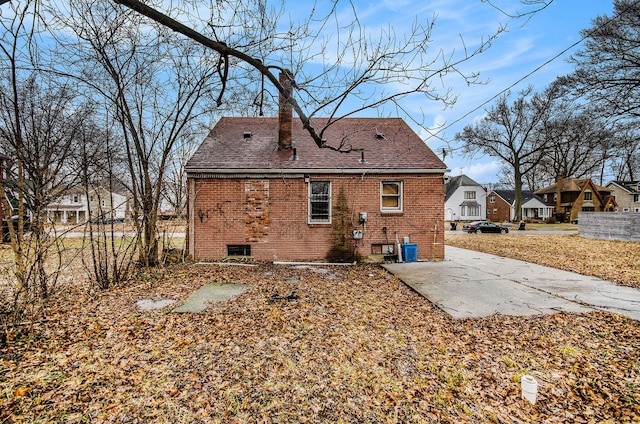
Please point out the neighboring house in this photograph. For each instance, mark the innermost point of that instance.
(501, 206)
(261, 187)
(627, 195)
(74, 207)
(577, 195)
(464, 200)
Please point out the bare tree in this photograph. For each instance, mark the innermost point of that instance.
(607, 75)
(39, 120)
(364, 70)
(157, 87)
(607, 68)
(580, 142)
(626, 158)
(174, 192)
(512, 133)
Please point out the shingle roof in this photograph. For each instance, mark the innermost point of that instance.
(453, 183)
(570, 184)
(226, 149)
(510, 196)
(629, 186)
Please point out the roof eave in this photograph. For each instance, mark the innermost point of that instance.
(356, 171)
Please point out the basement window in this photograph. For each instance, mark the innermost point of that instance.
(382, 249)
(238, 250)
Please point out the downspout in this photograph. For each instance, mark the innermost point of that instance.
(191, 217)
(435, 234)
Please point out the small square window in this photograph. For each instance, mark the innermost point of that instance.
(391, 196)
(587, 195)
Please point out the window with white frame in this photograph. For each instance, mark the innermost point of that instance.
(473, 210)
(492, 199)
(588, 195)
(76, 198)
(636, 198)
(469, 194)
(320, 202)
(391, 196)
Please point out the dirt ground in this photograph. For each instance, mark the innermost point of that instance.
(354, 345)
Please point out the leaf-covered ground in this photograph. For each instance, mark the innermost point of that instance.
(356, 346)
(611, 260)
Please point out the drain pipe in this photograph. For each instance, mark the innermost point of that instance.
(399, 250)
(433, 248)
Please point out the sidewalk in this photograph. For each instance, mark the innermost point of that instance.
(469, 284)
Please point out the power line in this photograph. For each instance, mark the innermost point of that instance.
(587, 35)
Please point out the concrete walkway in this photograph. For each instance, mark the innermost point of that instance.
(469, 284)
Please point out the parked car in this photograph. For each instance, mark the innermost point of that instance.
(484, 227)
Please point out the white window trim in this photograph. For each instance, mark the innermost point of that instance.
(316, 221)
(400, 197)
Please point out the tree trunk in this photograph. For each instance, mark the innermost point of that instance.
(518, 192)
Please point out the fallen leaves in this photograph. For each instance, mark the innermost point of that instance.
(352, 346)
(610, 260)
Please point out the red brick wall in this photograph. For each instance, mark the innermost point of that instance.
(504, 210)
(273, 218)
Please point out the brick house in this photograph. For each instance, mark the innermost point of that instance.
(627, 195)
(261, 187)
(501, 206)
(577, 195)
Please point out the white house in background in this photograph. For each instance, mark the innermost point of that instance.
(75, 207)
(627, 195)
(464, 200)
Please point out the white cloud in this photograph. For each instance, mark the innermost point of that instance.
(481, 172)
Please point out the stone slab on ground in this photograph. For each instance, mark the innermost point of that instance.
(153, 305)
(210, 293)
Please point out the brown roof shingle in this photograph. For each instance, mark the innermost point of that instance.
(226, 149)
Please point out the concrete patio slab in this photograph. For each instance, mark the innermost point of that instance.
(470, 284)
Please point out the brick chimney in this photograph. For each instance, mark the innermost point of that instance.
(285, 113)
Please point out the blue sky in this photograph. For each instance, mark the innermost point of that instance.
(526, 45)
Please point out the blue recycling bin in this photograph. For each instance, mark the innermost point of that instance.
(410, 252)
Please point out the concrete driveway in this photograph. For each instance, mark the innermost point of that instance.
(469, 284)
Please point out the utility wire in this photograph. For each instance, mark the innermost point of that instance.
(587, 35)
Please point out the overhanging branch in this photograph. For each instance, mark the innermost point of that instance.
(226, 51)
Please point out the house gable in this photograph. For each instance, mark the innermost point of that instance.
(465, 199)
(626, 195)
(578, 195)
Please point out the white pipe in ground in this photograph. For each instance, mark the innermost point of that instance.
(529, 388)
